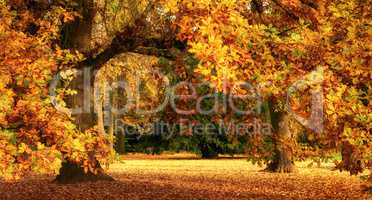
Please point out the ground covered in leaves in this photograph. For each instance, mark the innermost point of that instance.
(189, 178)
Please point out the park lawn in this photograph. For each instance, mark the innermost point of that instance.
(190, 178)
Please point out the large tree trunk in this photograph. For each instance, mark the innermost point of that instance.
(79, 35)
(285, 142)
(73, 173)
(84, 118)
(92, 35)
(351, 159)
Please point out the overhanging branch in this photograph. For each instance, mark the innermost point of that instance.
(149, 46)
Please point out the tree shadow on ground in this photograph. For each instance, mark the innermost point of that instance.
(43, 188)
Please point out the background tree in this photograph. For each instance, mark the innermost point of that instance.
(270, 44)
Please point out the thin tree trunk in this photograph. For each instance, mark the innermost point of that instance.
(206, 154)
(120, 143)
(111, 105)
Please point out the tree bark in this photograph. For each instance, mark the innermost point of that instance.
(99, 46)
(78, 37)
(73, 173)
(117, 132)
(351, 159)
(285, 142)
(84, 119)
(120, 143)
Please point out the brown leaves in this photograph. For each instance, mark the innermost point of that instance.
(194, 179)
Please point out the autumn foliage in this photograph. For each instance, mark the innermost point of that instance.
(34, 136)
(274, 44)
(286, 50)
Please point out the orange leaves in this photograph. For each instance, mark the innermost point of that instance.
(68, 17)
(171, 6)
(34, 137)
(286, 43)
(291, 3)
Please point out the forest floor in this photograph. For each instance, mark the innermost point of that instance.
(186, 177)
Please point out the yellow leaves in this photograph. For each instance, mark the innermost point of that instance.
(207, 27)
(331, 109)
(56, 164)
(171, 6)
(203, 3)
(16, 160)
(40, 146)
(6, 104)
(203, 70)
(77, 145)
(237, 20)
(215, 41)
(295, 37)
(228, 3)
(347, 132)
(326, 29)
(23, 148)
(198, 48)
(39, 134)
(342, 9)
